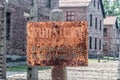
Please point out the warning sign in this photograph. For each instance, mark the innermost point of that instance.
(57, 43)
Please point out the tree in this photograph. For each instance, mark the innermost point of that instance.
(112, 7)
(107, 7)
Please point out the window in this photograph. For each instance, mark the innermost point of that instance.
(98, 5)
(8, 19)
(96, 23)
(48, 3)
(100, 44)
(95, 43)
(105, 32)
(100, 25)
(90, 43)
(94, 3)
(90, 19)
(105, 46)
(32, 2)
(70, 16)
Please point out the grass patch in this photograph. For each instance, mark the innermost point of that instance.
(17, 68)
(106, 57)
(24, 68)
(92, 60)
(96, 60)
(44, 68)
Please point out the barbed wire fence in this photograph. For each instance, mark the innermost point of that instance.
(17, 66)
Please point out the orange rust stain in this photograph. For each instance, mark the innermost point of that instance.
(57, 43)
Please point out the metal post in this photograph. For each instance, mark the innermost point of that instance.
(58, 72)
(32, 72)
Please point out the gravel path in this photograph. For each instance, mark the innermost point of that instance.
(95, 71)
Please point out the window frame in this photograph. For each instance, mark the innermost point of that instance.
(48, 3)
(100, 25)
(70, 16)
(95, 43)
(98, 5)
(100, 42)
(8, 24)
(94, 3)
(105, 32)
(105, 46)
(96, 21)
(91, 20)
(90, 42)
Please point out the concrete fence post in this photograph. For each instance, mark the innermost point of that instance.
(119, 66)
(58, 72)
(3, 42)
(32, 72)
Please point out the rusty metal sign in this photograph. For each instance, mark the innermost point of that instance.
(57, 43)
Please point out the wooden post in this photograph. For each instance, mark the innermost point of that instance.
(58, 72)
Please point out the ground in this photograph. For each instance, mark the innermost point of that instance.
(95, 71)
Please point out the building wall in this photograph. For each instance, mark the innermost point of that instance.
(80, 13)
(112, 39)
(16, 41)
(108, 39)
(118, 40)
(83, 14)
(95, 32)
(19, 22)
(17, 44)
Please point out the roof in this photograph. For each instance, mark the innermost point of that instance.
(79, 3)
(111, 20)
(74, 3)
(101, 2)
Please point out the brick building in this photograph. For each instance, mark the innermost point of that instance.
(87, 10)
(16, 22)
(111, 44)
(16, 28)
(74, 10)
